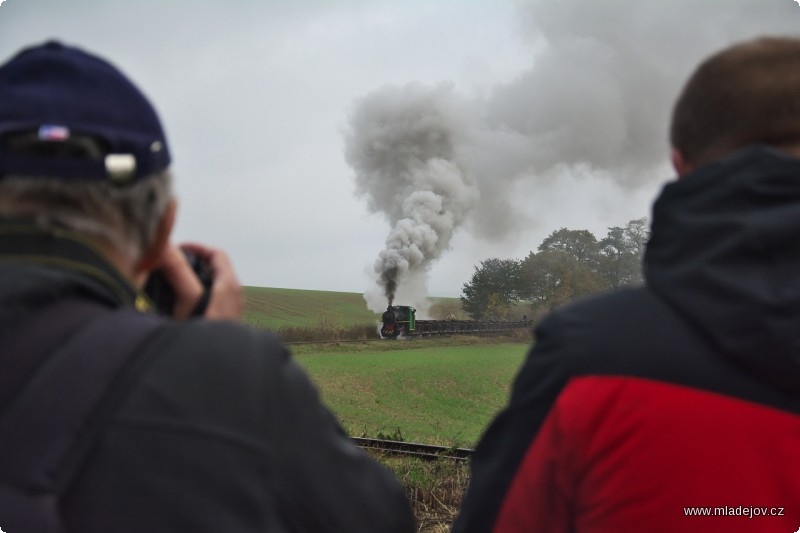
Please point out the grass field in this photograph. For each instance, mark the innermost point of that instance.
(433, 390)
(428, 392)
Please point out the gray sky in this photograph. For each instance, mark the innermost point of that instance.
(561, 112)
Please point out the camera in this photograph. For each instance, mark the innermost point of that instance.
(162, 295)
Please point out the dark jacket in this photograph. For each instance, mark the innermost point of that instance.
(220, 431)
(636, 406)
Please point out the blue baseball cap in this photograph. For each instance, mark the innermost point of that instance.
(53, 94)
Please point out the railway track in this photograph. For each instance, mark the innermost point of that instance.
(477, 333)
(333, 341)
(426, 452)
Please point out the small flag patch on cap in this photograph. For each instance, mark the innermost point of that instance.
(50, 132)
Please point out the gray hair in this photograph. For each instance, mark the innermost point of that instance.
(125, 217)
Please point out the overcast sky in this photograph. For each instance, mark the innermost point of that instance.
(559, 111)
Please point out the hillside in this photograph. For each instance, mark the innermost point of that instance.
(272, 308)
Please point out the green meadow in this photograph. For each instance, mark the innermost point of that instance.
(434, 391)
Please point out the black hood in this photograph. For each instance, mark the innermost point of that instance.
(725, 253)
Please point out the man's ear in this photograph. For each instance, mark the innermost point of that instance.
(152, 256)
(679, 163)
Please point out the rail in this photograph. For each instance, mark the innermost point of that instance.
(428, 452)
(334, 341)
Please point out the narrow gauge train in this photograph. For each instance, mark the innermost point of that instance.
(400, 321)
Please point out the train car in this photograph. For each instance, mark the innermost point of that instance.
(400, 321)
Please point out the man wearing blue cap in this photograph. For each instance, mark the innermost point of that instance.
(113, 418)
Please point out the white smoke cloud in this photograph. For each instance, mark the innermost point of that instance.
(402, 145)
(598, 95)
(595, 101)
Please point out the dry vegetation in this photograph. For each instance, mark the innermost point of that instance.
(434, 488)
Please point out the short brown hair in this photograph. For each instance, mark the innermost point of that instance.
(746, 94)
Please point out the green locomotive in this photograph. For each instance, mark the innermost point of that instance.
(398, 320)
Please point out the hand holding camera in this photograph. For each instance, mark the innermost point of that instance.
(196, 280)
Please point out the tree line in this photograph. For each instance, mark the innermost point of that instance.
(566, 265)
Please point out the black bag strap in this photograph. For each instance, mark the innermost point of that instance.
(56, 414)
(37, 339)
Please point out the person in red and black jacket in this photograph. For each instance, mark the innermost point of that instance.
(674, 406)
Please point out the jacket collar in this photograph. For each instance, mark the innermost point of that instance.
(23, 243)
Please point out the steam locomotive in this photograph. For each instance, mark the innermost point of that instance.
(400, 321)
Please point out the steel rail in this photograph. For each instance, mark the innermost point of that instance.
(422, 451)
(414, 335)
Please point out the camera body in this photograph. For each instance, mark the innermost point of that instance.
(162, 295)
